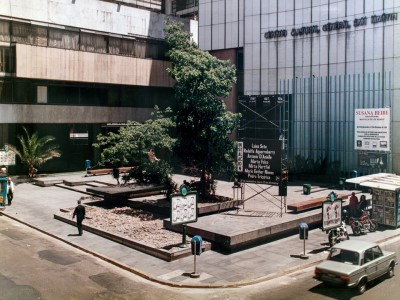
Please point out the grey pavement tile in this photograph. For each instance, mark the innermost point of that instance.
(235, 278)
(220, 268)
(210, 280)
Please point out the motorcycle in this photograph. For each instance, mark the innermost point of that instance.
(363, 224)
(338, 234)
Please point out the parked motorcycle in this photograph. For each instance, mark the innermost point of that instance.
(363, 224)
(338, 234)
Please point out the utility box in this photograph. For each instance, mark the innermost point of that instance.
(306, 189)
(303, 231)
(283, 188)
(197, 245)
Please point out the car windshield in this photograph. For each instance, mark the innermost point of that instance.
(344, 256)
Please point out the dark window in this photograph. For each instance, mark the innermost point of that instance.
(7, 58)
(5, 92)
(24, 92)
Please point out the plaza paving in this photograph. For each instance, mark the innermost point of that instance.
(36, 206)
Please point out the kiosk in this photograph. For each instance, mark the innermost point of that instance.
(385, 190)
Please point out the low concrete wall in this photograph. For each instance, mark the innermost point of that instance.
(159, 253)
(251, 238)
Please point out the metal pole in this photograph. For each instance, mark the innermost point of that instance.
(304, 256)
(195, 254)
(195, 274)
(183, 236)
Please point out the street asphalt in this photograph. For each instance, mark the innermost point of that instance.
(35, 206)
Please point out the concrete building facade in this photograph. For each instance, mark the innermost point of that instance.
(327, 59)
(73, 69)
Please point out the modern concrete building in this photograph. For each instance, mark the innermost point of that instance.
(332, 61)
(73, 69)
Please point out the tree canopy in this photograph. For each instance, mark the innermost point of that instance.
(130, 146)
(202, 122)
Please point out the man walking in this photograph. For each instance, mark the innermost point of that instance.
(80, 215)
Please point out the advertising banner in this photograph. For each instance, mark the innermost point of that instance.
(372, 129)
(372, 160)
(259, 161)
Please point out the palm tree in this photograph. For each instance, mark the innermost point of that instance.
(35, 151)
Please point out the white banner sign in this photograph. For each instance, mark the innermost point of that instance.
(372, 129)
(183, 208)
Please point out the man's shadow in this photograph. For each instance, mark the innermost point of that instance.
(73, 234)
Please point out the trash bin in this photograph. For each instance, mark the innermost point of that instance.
(354, 174)
(87, 164)
(306, 189)
(303, 231)
(342, 182)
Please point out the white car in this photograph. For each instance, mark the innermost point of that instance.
(354, 263)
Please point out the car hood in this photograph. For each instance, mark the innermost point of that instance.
(337, 267)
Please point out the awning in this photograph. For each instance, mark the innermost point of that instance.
(384, 181)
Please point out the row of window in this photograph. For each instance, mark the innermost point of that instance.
(16, 32)
(64, 93)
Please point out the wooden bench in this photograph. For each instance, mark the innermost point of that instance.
(309, 204)
(108, 171)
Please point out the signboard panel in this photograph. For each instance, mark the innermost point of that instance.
(372, 129)
(7, 158)
(183, 208)
(331, 214)
(372, 160)
(259, 161)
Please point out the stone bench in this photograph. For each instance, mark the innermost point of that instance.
(108, 171)
(310, 204)
(126, 192)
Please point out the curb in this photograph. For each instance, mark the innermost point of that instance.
(175, 284)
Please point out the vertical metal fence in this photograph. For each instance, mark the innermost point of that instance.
(321, 115)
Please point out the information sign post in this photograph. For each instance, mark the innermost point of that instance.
(183, 210)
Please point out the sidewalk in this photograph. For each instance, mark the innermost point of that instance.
(35, 206)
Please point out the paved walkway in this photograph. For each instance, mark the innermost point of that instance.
(36, 206)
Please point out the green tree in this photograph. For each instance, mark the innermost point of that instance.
(130, 147)
(34, 151)
(202, 122)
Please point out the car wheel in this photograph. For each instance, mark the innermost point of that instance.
(373, 226)
(390, 271)
(362, 286)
